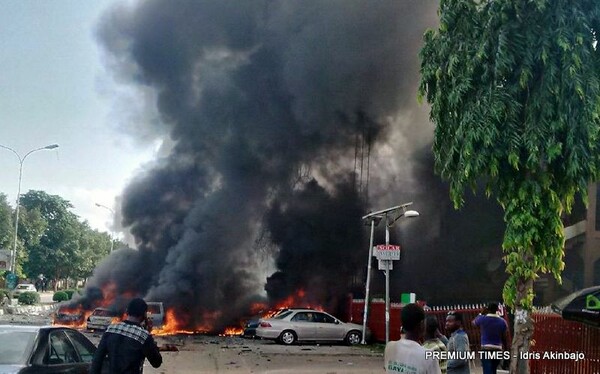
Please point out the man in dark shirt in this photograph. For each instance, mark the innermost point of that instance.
(127, 344)
(493, 336)
(458, 343)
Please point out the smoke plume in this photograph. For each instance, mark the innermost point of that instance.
(288, 121)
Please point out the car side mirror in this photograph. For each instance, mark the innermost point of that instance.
(337, 322)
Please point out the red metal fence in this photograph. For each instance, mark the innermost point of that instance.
(553, 336)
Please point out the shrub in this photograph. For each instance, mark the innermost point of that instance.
(60, 296)
(29, 298)
(71, 292)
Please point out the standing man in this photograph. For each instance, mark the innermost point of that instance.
(435, 341)
(128, 343)
(407, 355)
(459, 343)
(493, 336)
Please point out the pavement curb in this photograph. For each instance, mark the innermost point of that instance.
(29, 309)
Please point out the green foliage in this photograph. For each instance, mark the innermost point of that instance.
(70, 293)
(514, 93)
(60, 246)
(4, 292)
(29, 298)
(60, 296)
(6, 223)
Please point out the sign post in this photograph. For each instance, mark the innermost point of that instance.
(386, 254)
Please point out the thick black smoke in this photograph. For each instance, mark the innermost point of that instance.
(265, 103)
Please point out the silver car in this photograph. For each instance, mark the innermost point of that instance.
(23, 287)
(294, 325)
(101, 318)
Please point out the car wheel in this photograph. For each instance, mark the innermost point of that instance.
(287, 337)
(353, 338)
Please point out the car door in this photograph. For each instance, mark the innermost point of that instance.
(86, 350)
(327, 328)
(61, 356)
(304, 325)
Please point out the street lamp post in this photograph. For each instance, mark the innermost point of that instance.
(13, 254)
(374, 221)
(385, 213)
(112, 237)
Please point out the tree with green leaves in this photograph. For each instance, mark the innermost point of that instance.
(6, 223)
(514, 93)
(56, 253)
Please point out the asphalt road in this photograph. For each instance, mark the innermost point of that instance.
(215, 354)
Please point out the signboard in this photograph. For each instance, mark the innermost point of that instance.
(11, 281)
(407, 298)
(387, 252)
(385, 265)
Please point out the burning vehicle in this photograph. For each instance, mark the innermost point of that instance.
(156, 313)
(69, 316)
(101, 318)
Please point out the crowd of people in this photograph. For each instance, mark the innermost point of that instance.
(421, 335)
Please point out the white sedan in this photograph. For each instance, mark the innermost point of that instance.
(295, 325)
(24, 287)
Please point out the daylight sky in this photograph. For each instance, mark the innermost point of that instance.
(54, 88)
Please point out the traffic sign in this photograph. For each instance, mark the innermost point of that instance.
(387, 252)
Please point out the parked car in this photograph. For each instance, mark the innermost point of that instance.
(156, 312)
(44, 349)
(295, 325)
(101, 318)
(23, 287)
(252, 323)
(68, 316)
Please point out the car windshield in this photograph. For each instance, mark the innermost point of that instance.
(154, 308)
(15, 346)
(283, 315)
(104, 313)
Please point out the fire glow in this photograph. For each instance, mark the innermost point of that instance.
(176, 323)
(175, 326)
(295, 300)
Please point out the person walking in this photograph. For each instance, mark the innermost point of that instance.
(458, 343)
(493, 337)
(127, 344)
(434, 340)
(407, 355)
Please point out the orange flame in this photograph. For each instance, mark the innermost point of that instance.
(231, 331)
(75, 317)
(174, 325)
(295, 300)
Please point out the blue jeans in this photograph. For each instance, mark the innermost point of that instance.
(489, 366)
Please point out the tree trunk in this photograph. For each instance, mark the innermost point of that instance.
(523, 330)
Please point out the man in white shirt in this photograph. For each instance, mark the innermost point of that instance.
(407, 355)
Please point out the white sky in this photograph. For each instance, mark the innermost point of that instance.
(54, 89)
